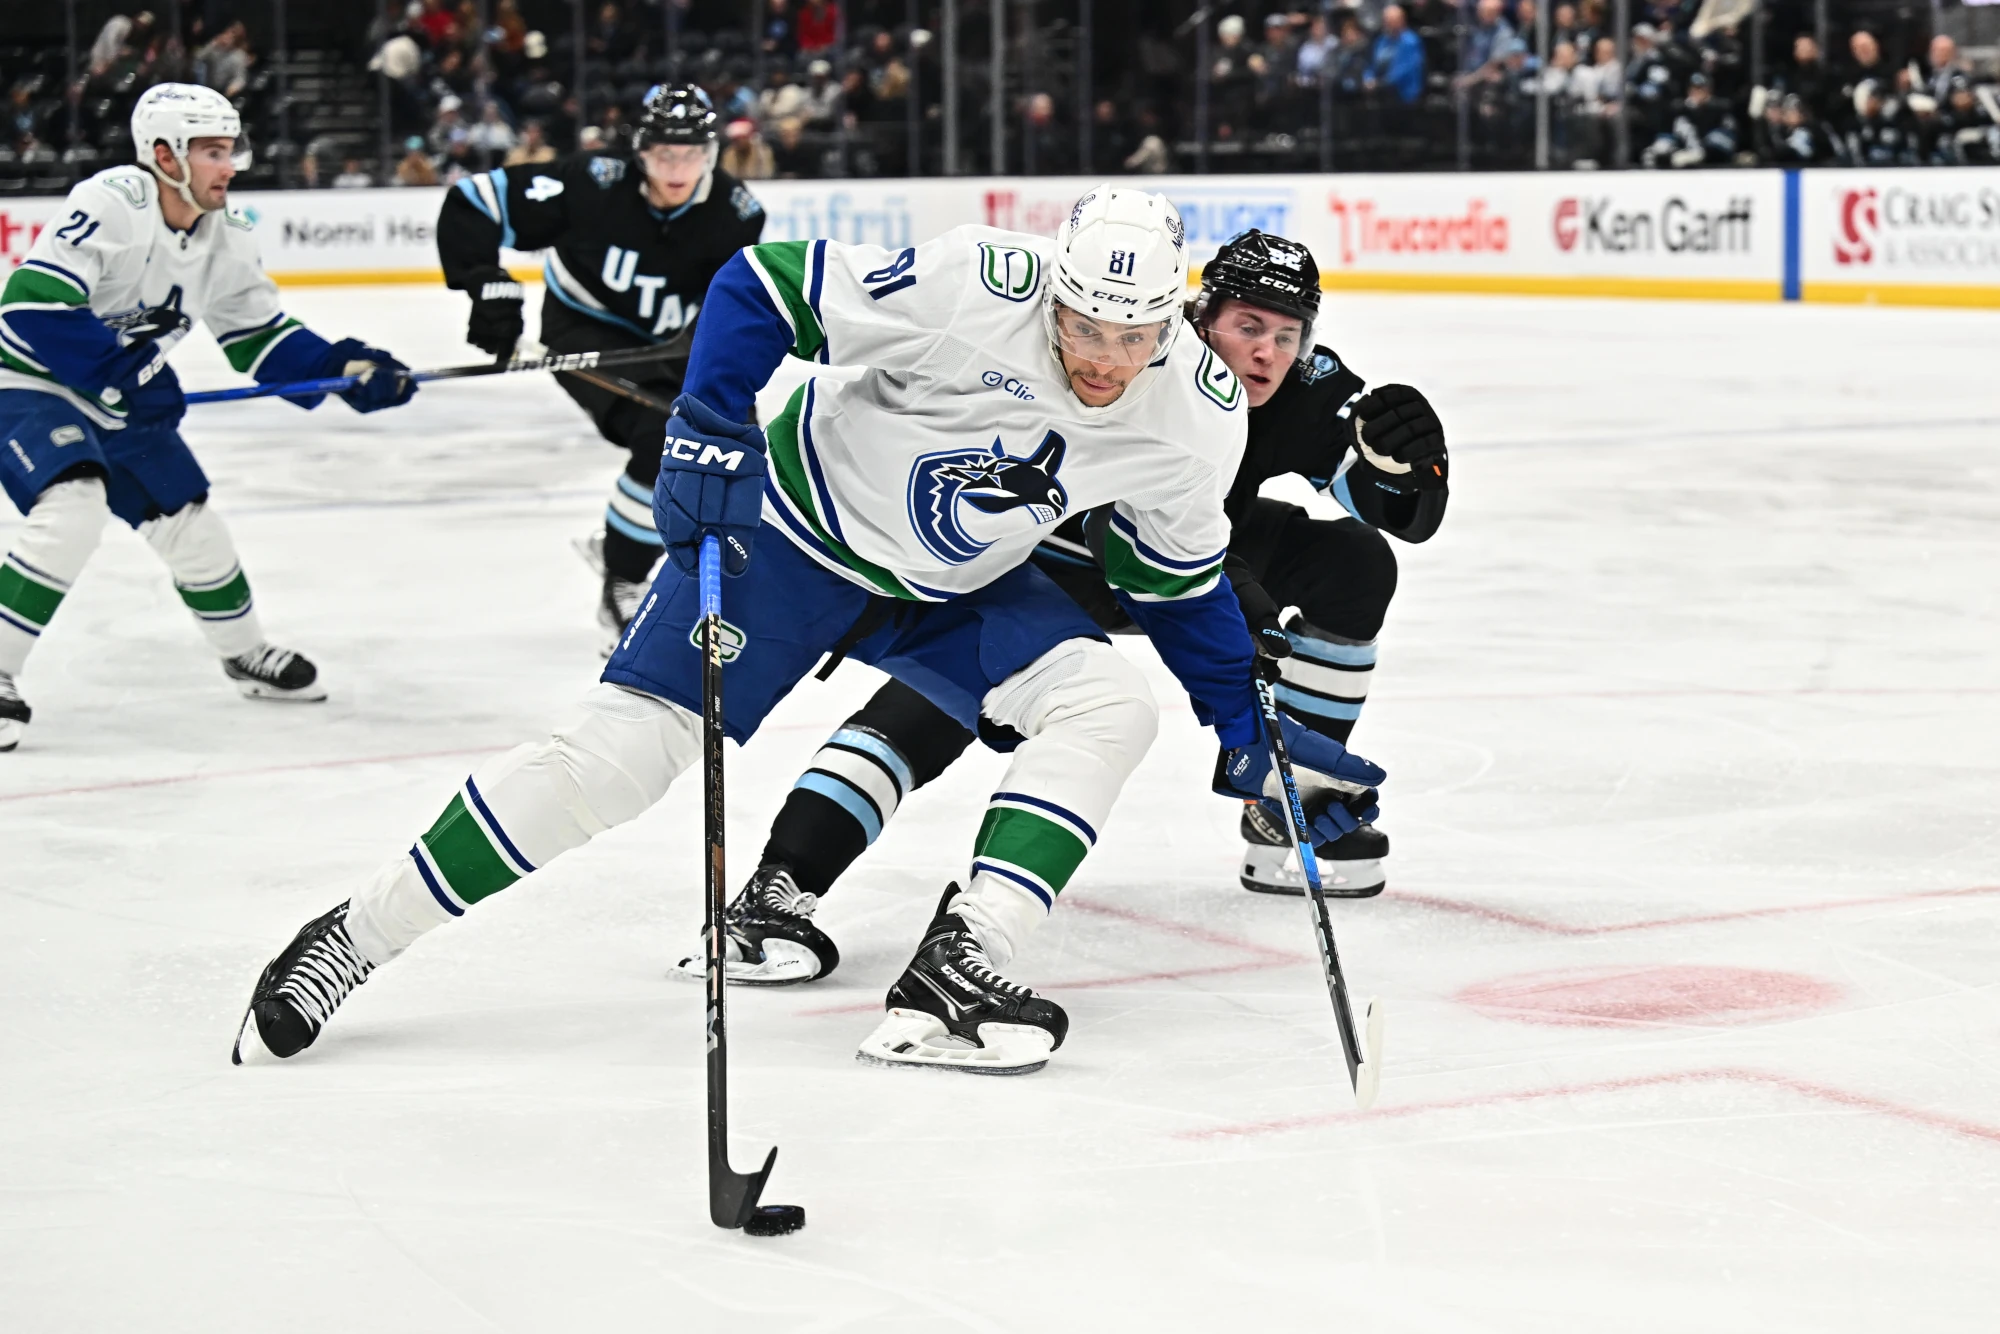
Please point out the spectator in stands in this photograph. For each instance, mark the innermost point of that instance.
(449, 128)
(746, 156)
(1597, 90)
(534, 148)
(1315, 54)
(1152, 156)
(1052, 143)
(1880, 135)
(822, 108)
(1111, 138)
(1791, 136)
(1231, 82)
(436, 24)
(458, 163)
(416, 167)
(818, 26)
(778, 39)
(353, 176)
(1811, 81)
(1564, 27)
(1651, 87)
(224, 64)
(1485, 46)
(110, 43)
(789, 155)
(1703, 131)
(1941, 66)
(1864, 65)
(1970, 134)
(1397, 63)
(492, 135)
(782, 98)
(1351, 59)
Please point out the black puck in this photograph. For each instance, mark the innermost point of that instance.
(775, 1220)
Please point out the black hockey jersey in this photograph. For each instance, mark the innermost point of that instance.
(611, 255)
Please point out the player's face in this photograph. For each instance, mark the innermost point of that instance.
(673, 171)
(211, 167)
(1259, 345)
(1101, 358)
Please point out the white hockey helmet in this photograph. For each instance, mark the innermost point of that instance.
(1121, 259)
(177, 114)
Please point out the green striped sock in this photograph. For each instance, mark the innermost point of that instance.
(28, 598)
(222, 600)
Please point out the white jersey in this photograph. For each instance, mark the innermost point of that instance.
(113, 253)
(962, 447)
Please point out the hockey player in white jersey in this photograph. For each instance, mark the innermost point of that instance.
(90, 408)
(890, 518)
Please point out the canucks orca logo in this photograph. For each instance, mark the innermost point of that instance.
(964, 500)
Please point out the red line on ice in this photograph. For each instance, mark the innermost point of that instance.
(1719, 1074)
(1553, 927)
(170, 780)
(1263, 956)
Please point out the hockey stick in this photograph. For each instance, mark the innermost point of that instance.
(1364, 1064)
(566, 361)
(732, 1195)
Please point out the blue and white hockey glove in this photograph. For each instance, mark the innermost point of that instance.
(1336, 787)
(385, 381)
(711, 481)
(152, 396)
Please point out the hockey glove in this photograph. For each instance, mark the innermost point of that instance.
(711, 481)
(1261, 614)
(385, 381)
(1398, 431)
(152, 396)
(495, 326)
(1337, 788)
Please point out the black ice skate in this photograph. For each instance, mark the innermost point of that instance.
(616, 606)
(301, 988)
(1350, 867)
(14, 713)
(951, 1011)
(269, 672)
(771, 941)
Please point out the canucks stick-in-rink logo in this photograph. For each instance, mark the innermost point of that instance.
(964, 500)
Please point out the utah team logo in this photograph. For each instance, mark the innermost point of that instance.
(1857, 221)
(964, 500)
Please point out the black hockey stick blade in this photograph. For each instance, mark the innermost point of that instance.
(733, 1195)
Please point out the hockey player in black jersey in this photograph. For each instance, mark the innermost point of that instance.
(633, 240)
(1380, 453)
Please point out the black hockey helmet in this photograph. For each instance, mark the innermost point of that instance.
(1265, 270)
(675, 113)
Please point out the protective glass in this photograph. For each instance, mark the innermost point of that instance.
(1244, 327)
(676, 155)
(239, 151)
(1106, 343)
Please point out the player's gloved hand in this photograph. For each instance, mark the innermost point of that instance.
(711, 481)
(1260, 614)
(152, 395)
(155, 323)
(495, 326)
(1336, 787)
(1398, 431)
(385, 381)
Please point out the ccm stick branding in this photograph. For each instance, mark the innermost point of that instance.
(1597, 227)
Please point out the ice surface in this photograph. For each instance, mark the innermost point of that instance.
(1690, 716)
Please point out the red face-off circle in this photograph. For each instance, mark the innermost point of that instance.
(1650, 994)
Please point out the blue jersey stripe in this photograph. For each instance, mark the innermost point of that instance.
(1007, 873)
(1125, 526)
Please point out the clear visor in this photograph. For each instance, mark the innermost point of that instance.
(238, 149)
(1105, 343)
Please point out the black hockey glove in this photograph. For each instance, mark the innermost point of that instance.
(495, 326)
(1398, 431)
(1260, 614)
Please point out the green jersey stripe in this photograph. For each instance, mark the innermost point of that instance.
(1126, 569)
(464, 856)
(1034, 843)
(789, 467)
(26, 286)
(783, 266)
(245, 353)
(27, 597)
(223, 600)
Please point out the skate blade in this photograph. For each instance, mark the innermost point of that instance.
(10, 734)
(1362, 879)
(1368, 1078)
(911, 1039)
(785, 963)
(250, 1048)
(591, 548)
(312, 694)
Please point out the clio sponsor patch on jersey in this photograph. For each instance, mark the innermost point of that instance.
(998, 380)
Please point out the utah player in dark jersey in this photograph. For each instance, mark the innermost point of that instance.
(1380, 453)
(633, 240)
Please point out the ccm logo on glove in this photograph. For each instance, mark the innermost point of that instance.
(684, 449)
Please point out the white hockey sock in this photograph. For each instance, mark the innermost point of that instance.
(1089, 720)
(63, 529)
(522, 810)
(197, 549)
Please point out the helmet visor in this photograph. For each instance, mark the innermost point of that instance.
(1106, 342)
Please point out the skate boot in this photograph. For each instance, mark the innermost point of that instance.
(771, 939)
(14, 713)
(616, 607)
(301, 988)
(269, 672)
(951, 1011)
(1350, 867)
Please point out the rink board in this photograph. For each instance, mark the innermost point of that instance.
(1910, 237)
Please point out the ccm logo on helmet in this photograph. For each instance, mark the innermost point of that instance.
(1119, 297)
(684, 450)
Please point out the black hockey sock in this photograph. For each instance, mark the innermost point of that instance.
(627, 558)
